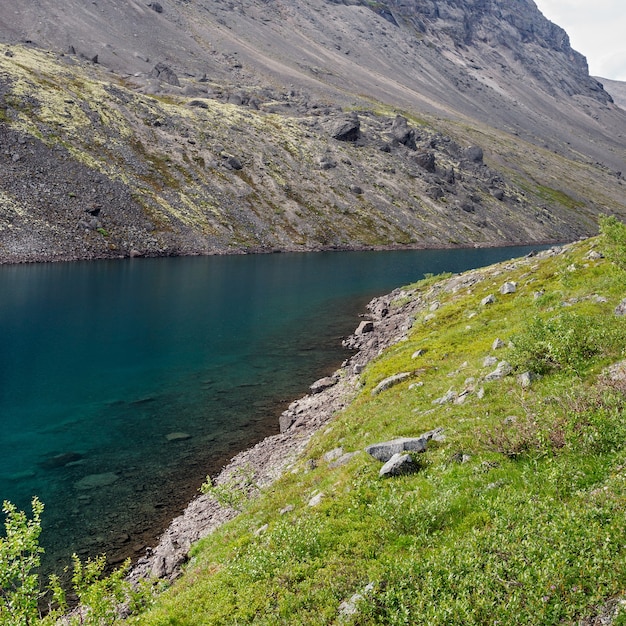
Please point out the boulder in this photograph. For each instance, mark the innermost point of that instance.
(316, 499)
(366, 326)
(233, 162)
(474, 154)
(490, 299)
(385, 450)
(333, 455)
(389, 382)
(200, 104)
(426, 160)
(165, 74)
(503, 369)
(347, 129)
(620, 309)
(490, 361)
(398, 465)
(178, 436)
(402, 133)
(326, 162)
(497, 344)
(342, 460)
(508, 287)
(155, 6)
(60, 460)
(323, 383)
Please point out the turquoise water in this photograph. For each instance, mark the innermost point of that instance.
(101, 361)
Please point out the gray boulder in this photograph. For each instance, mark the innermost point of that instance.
(620, 309)
(508, 287)
(402, 133)
(426, 160)
(389, 382)
(503, 369)
(474, 154)
(385, 450)
(364, 327)
(347, 129)
(497, 344)
(323, 383)
(165, 74)
(398, 465)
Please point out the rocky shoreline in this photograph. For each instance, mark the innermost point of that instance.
(389, 318)
(387, 322)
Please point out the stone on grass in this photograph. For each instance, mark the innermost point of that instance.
(449, 396)
(508, 287)
(490, 361)
(316, 499)
(398, 465)
(504, 369)
(418, 353)
(497, 344)
(349, 608)
(389, 382)
(332, 455)
(490, 299)
(620, 309)
(385, 450)
(526, 378)
(342, 460)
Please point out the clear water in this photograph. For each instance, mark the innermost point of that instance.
(100, 361)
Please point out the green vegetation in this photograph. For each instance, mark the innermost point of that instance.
(99, 597)
(516, 517)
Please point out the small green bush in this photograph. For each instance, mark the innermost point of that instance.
(20, 556)
(566, 341)
(613, 240)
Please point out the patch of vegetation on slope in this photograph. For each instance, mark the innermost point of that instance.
(516, 516)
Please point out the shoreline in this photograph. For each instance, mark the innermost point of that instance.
(274, 455)
(299, 250)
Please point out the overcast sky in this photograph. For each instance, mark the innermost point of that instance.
(597, 29)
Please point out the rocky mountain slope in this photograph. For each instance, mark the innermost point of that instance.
(186, 127)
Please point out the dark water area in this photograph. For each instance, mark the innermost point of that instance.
(124, 383)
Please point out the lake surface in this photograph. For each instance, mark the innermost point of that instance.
(101, 361)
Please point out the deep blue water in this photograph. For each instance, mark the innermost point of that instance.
(100, 361)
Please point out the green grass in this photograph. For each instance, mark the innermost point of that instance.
(527, 530)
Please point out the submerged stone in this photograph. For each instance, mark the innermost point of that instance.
(94, 481)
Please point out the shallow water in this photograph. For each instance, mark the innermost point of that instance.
(101, 361)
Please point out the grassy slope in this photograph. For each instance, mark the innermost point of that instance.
(527, 528)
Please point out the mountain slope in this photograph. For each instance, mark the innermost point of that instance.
(216, 127)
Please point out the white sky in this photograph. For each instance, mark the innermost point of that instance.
(597, 29)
